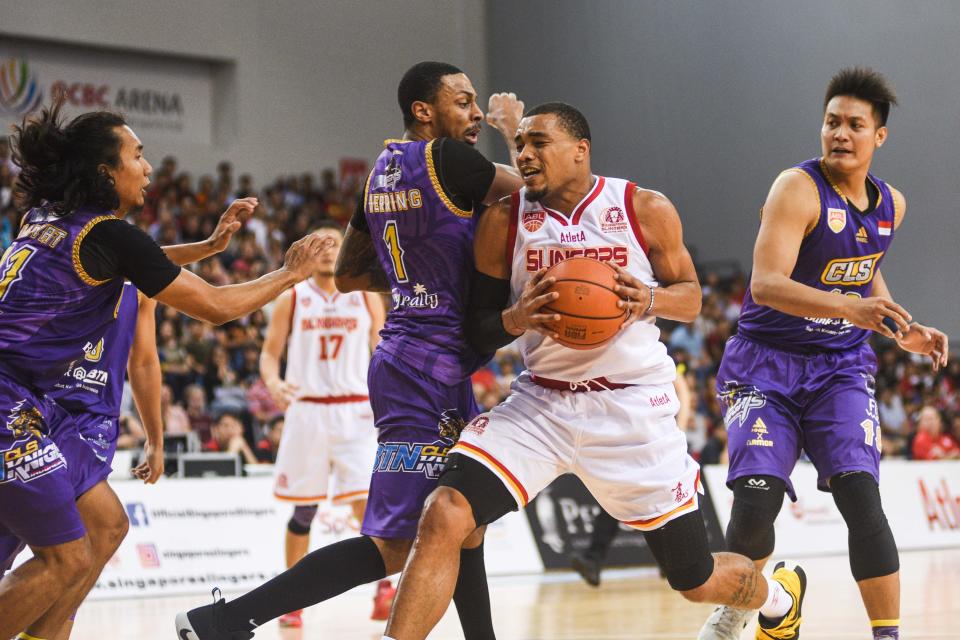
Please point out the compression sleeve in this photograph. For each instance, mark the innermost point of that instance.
(464, 173)
(484, 329)
(116, 248)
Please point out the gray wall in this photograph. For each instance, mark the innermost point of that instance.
(301, 83)
(708, 101)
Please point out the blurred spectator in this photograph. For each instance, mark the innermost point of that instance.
(931, 443)
(269, 444)
(175, 420)
(893, 422)
(200, 418)
(715, 451)
(227, 436)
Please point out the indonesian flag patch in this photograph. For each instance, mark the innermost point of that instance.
(884, 227)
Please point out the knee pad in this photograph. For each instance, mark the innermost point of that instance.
(872, 549)
(682, 551)
(757, 500)
(488, 497)
(302, 518)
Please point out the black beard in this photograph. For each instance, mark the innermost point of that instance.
(534, 196)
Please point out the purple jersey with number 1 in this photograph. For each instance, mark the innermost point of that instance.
(421, 369)
(789, 383)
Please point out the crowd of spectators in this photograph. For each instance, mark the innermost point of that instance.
(212, 386)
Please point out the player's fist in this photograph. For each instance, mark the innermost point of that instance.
(283, 393)
(504, 112)
(873, 313)
(303, 256)
(230, 222)
(527, 314)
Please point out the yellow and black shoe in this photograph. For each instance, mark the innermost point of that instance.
(794, 581)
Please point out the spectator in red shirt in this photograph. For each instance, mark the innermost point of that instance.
(227, 435)
(931, 443)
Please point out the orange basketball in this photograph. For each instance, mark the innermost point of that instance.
(589, 315)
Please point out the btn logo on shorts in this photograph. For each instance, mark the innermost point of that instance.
(412, 457)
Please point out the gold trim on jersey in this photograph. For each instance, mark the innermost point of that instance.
(389, 141)
(81, 273)
(826, 172)
(435, 181)
(897, 212)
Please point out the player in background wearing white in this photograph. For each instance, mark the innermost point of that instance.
(329, 441)
(609, 414)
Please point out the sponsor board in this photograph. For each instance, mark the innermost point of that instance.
(562, 518)
(921, 501)
(188, 535)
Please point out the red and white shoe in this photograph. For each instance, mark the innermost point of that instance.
(383, 601)
(292, 620)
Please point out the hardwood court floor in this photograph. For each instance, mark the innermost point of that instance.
(630, 605)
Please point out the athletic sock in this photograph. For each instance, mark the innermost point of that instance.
(886, 629)
(319, 576)
(778, 601)
(472, 596)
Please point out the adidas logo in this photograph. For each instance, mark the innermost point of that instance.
(862, 235)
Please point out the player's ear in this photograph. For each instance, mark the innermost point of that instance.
(583, 150)
(881, 136)
(422, 111)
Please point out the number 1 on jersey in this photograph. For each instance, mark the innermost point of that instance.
(11, 266)
(392, 237)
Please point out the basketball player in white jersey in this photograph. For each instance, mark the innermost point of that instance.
(329, 441)
(608, 414)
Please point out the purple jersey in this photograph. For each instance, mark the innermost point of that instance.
(842, 255)
(94, 384)
(425, 246)
(51, 311)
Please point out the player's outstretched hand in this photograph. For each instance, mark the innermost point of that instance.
(926, 341)
(151, 468)
(525, 314)
(635, 294)
(504, 112)
(283, 393)
(869, 313)
(303, 256)
(230, 222)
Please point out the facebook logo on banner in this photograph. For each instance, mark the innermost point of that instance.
(137, 513)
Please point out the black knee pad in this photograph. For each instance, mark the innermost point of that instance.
(873, 551)
(301, 520)
(483, 489)
(757, 501)
(681, 549)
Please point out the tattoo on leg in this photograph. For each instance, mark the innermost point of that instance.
(746, 589)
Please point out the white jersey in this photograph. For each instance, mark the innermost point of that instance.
(603, 227)
(328, 350)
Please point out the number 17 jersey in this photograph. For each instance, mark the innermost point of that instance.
(424, 242)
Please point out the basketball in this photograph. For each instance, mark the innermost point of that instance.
(589, 315)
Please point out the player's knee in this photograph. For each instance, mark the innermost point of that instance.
(757, 500)
(115, 532)
(69, 562)
(872, 548)
(302, 519)
(446, 515)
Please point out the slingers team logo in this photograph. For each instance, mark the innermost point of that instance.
(613, 220)
(548, 256)
(533, 220)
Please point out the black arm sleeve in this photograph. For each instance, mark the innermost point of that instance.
(359, 219)
(464, 173)
(484, 325)
(115, 249)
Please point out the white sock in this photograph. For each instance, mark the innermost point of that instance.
(778, 601)
(386, 638)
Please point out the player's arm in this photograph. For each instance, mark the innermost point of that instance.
(274, 343)
(921, 339)
(115, 248)
(143, 370)
(790, 212)
(491, 321)
(378, 316)
(230, 222)
(358, 268)
(466, 174)
(686, 401)
(678, 297)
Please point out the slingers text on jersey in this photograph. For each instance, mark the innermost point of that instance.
(603, 227)
(328, 350)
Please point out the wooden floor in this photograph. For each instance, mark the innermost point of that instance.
(630, 605)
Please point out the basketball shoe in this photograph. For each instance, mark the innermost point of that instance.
(587, 567)
(292, 620)
(794, 582)
(383, 601)
(725, 623)
(202, 623)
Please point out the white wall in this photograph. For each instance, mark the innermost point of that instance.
(298, 84)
